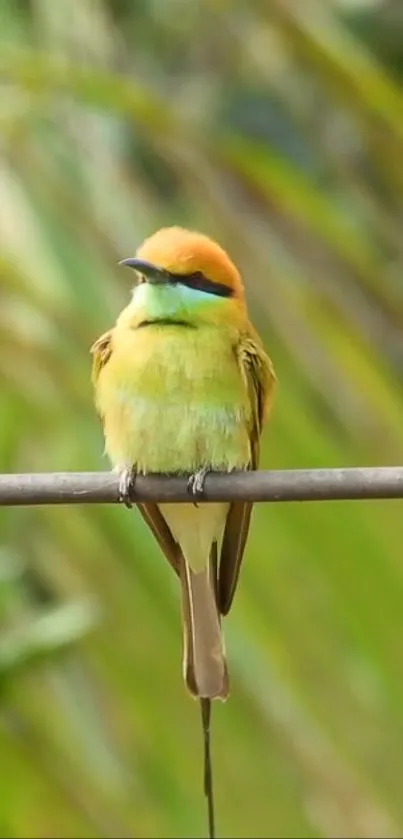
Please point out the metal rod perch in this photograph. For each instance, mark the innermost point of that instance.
(288, 485)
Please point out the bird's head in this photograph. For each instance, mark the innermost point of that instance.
(184, 277)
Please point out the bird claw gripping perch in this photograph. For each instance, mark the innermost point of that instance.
(196, 483)
(127, 480)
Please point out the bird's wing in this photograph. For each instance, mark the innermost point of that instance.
(160, 530)
(260, 380)
(101, 351)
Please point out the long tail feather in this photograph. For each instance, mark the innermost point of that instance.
(205, 706)
(205, 667)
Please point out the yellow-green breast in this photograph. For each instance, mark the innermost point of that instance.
(174, 400)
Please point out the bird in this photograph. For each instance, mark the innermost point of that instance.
(184, 386)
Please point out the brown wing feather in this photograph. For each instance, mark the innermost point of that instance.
(159, 528)
(260, 381)
(101, 351)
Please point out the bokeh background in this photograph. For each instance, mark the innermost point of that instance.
(276, 127)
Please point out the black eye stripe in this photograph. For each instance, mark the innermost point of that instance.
(199, 282)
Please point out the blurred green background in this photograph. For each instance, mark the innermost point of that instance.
(276, 127)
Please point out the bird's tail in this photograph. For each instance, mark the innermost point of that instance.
(204, 664)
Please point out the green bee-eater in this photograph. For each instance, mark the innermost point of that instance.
(183, 385)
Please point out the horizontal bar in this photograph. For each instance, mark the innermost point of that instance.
(288, 485)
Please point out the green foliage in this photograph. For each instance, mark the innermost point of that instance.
(273, 127)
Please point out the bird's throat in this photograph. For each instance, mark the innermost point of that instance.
(170, 304)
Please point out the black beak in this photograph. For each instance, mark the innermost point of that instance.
(152, 273)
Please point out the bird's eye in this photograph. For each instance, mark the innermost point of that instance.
(200, 282)
(196, 280)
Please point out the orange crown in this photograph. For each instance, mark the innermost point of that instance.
(183, 251)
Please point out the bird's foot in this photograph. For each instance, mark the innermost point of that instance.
(127, 480)
(196, 483)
